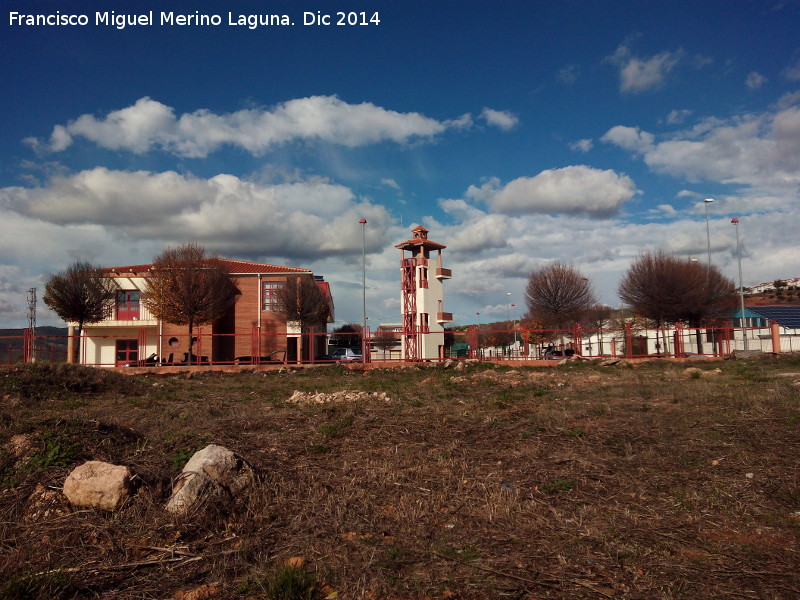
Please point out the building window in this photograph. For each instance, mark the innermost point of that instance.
(127, 352)
(128, 305)
(269, 295)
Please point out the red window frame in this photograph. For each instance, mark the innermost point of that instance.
(128, 305)
(127, 352)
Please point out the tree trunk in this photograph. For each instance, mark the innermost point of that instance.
(300, 344)
(191, 339)
(699, 335)
(79, 343)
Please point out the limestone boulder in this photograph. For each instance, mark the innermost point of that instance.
(97, 484)
(213, 472)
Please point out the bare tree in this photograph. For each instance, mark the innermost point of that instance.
(301, 300)
(667, 289)
(498, 333)
(597, 317)
(389, 340)
(81, 294)
(188, 287)
(534, 332)
(348, 335)
(557, 295)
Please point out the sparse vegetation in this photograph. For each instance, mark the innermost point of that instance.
(574, 482)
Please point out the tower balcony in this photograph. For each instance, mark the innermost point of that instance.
(444, 317)
(443, 273)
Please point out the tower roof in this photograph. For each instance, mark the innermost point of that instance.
(420, 239)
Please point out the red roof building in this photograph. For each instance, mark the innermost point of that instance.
(254, 331)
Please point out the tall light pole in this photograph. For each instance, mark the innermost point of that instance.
(363, 223)
(708, 201)
(735, 221)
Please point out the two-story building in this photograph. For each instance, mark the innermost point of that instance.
(253, 331)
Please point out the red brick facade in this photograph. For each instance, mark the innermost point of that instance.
(246, 332)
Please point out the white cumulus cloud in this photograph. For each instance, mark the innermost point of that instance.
(754, 80)
(230, 215)
(150, 125)
(571, 190)
(637, 75)
(629, 138)
(792, 72)
(499, 118)
(583, 145)
(756, 150)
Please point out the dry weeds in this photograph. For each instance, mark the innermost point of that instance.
(572, 482)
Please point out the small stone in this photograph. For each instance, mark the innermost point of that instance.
(45, 504)
(204, 592)
(610, 362)
(747, 354)
(20, 445)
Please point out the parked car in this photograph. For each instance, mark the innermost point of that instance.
(344, 354)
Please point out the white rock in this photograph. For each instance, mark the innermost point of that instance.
(213, 471)
(97, 484)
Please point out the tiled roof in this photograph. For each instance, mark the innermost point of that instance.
(233, 266)
(420, 242)
(241, 266)
(786, 316)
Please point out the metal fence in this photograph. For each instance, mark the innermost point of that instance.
(475, 342)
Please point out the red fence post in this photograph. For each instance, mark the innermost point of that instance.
(577, 338)
(27, 346)
(775, 331)
(365, 345)
(628, 340)
(679, 339)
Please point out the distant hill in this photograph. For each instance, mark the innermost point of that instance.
(787, 291)
(793, 283)
(51, 344)
(40, 330)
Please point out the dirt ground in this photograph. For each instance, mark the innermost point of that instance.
(647, 481)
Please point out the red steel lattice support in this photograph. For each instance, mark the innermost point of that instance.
(408, 269)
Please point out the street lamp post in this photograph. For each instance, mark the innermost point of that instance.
(363, 223)
(708, 201)
(735, 221)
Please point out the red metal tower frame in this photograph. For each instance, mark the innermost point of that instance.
(408, 267)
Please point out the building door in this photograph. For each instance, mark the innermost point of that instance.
(128, 305)
(127, 352)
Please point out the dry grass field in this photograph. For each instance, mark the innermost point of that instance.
(643, 481)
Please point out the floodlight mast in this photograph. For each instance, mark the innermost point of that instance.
(363, 223)
(735, 221)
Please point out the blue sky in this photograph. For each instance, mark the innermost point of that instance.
(517, 132)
